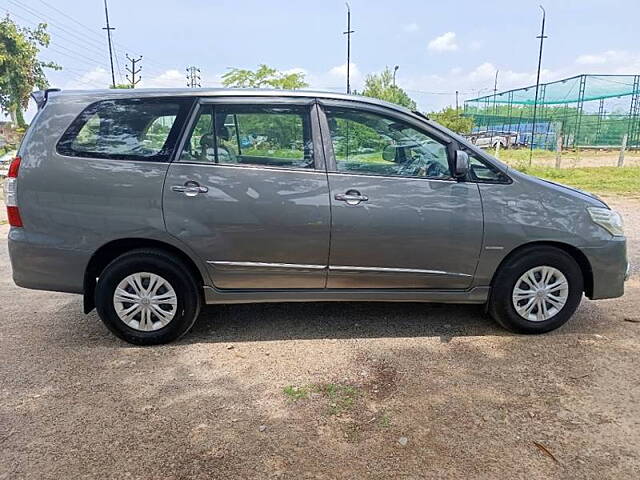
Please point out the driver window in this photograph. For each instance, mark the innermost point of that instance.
(371, 144)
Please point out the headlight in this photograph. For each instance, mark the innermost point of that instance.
(610, 220)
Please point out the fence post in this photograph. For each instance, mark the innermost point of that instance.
(497, 155)
(558, 150)
(623, 147)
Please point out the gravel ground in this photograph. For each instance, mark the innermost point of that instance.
(383, 390)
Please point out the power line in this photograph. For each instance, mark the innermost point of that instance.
(80, 39)
(116, 44)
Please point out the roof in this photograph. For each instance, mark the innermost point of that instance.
(224, 92)
(567, 90)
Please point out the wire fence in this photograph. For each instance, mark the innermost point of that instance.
(586, 111)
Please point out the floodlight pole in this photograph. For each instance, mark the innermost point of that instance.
(535, 102)
(495, 91)
(395, 69)
(348, 34)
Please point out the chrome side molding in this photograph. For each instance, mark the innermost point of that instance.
(226, 265)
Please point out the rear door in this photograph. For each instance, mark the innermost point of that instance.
(249, 194)
(399, 218)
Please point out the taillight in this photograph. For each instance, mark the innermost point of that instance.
(11, 194)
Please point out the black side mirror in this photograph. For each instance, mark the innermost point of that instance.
(462, 164)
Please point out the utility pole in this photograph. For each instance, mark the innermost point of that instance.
(495, 92)
(133, 80)
(535, 102)
(193, 77)
(395, 69)
(457, 104)
(348, 34)
(108, 28)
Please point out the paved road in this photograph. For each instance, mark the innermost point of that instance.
(402, 390)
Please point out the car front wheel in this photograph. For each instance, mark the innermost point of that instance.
(147, 297)
(536, 291)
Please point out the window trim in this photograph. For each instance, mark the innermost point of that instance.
(164, 156)
(309, 104)
(425, 129)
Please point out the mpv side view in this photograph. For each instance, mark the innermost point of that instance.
(153, 202)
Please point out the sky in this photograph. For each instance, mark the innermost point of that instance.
(439, 47)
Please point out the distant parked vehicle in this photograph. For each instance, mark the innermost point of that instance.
(491, 139)
(5, 160)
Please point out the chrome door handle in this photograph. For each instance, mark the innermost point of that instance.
(352, 197)
(190, 188)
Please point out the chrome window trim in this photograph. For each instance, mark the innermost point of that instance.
(255, 167)
(396, 177)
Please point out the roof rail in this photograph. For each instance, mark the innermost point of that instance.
(41, 96)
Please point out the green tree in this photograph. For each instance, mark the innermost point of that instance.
(453, 119)
(121, 86)
(381, 86)
(20, 69)
(264, 76)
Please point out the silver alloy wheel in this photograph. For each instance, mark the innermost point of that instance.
(540, 293)
(145, 301)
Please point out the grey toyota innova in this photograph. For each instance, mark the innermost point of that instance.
(152, 202)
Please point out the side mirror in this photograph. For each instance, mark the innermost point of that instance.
(462, 164)
(389, 153)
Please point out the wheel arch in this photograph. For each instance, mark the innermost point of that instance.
(579, 257)
(113, 249)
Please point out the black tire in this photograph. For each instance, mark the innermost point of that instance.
(159, 263)
(501, 306)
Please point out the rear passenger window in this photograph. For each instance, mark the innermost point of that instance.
(277, 136)
(128, 129)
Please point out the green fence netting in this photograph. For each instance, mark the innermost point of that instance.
(584, 111)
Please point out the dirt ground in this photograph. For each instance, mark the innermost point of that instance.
(318, 390)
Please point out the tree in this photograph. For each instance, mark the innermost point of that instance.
(381, 86)
(452, 119)
(264, 76)
(20, 69)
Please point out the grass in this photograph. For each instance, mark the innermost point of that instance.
(605, 180)
(385, 420)
(294, 393)
(340, 397)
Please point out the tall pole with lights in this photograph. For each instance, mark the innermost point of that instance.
(535, 102)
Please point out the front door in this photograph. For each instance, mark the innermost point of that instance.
(399, 218)
(249, 195)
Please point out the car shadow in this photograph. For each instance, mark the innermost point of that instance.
(340, 320)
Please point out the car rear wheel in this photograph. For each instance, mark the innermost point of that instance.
(147, 297)
(536, 291)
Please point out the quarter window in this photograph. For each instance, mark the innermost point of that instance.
(484, 172)
(131, 129)
(371, 144)
(277, 136)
